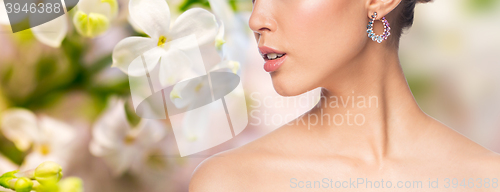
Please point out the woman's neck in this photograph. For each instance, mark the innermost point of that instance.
(367, 109)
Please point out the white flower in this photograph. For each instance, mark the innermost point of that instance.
(183, 94)
(165, 42)
(51, 33)
(134, 25)
(186, 94)
(121, 145)
(94, 16)
(51, 140)
(232, 39)
(4, 18)
(233, 66)
(18, 126)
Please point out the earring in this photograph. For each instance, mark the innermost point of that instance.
(372, 35)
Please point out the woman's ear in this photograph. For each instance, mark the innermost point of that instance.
(382, 7)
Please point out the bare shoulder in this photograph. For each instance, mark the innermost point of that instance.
(490, 164)
(215, 173)
(495, 160)
(232, 169)
(471, 154)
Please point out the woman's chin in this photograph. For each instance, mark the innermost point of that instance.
(287, 88)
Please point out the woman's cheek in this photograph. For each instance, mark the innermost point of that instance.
(314, 21)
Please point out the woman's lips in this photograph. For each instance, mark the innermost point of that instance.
(274, 64)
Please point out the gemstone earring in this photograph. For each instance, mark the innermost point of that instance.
(372, 35)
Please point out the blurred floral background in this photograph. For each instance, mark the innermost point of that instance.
(63, 95)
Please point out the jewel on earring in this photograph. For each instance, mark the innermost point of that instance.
(372, 35)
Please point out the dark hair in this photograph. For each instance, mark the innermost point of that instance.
(401, 18)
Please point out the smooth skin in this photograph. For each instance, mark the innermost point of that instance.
(326, 46)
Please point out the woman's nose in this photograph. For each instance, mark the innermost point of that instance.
(262, 19)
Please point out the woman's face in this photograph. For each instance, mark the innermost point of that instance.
(318, 38)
